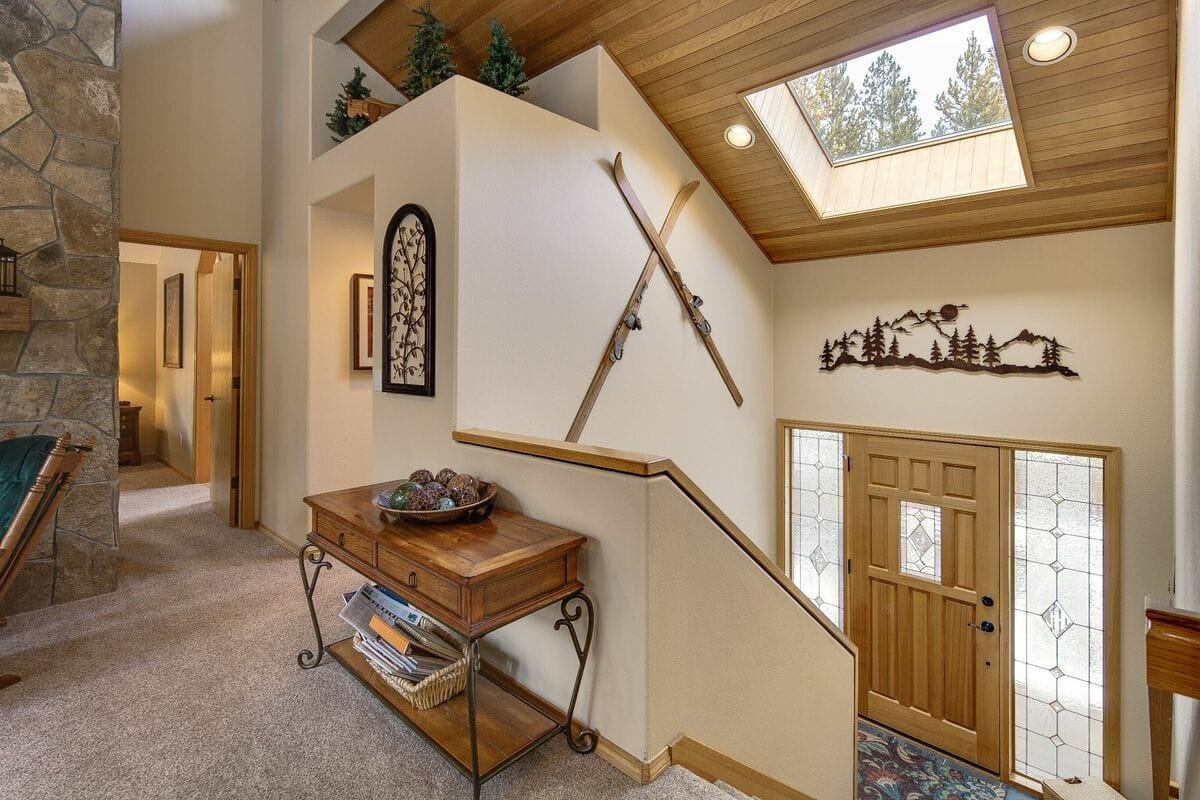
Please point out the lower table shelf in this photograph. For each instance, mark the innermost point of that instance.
(508, 727)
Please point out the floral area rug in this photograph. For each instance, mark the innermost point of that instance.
(891, 767)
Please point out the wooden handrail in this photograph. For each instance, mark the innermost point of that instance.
(647, 466)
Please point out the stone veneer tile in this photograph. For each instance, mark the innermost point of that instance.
(76, 99)
(91, 273)
(98, 30)
(21, 26)
(83, 568)
(10, 349)
(86, 399)
(71, 45)
(32, 589)
(90, 511)
(86, 230)
(50, 302)
(14, 105)
(101, 465)
(50, 347)
(27, 229)
(47, 265)
(29, 140)
(19, 186)
(25, 398)
(85, 152)
(98, 341)
(93, 185)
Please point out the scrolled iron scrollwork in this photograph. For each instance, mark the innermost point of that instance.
(586, 740)
(316, 557)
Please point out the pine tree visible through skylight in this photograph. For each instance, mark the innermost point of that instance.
(936, 85)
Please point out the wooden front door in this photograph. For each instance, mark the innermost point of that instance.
(925, 575)
(226, 369)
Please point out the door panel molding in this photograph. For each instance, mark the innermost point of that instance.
(1111, 456)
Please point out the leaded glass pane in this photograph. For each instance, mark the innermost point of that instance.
(921, 540)
(816, 492)
(1058, 637)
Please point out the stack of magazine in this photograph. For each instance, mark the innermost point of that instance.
(391, 638)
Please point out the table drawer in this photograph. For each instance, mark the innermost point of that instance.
(420, 580)
(341, 535)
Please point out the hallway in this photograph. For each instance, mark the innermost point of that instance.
(183, 683)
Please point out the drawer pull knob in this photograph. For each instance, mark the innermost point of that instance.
(412, 579)
(341, 538)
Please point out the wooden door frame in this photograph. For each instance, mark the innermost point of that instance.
(1111, 457)
(247, 514)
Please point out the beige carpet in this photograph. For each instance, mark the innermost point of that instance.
(183, 684)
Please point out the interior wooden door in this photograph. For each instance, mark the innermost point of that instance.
(226, 369)
(925, 575)
(202, 421)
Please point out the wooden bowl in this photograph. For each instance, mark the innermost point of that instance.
(479, 510)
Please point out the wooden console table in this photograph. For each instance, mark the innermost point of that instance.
(1172, 667)
(473, 577)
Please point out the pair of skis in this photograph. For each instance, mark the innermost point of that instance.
(630, 320)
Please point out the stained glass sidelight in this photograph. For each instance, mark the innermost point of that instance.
(816, 517)
(921, 540)
(1058, 636)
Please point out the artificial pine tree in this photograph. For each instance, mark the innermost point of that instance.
(428, 62)
(504, 68)
(339, 121)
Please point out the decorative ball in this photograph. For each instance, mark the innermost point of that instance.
(445, 504)
(399, 501)
(437, 489)
(462, 479)
(421, 476)
(422, 500)
(464, 495)
(444, 475)
(398, 495)
(383, 499)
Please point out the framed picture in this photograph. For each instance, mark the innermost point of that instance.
(173, 321)
(362, 319)
(408, 302)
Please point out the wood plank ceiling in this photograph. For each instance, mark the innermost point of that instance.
(1098, 126)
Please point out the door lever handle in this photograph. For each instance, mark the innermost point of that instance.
(210, 398)
(986, 626)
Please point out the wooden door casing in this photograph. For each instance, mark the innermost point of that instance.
(923, 669)
(226, 360)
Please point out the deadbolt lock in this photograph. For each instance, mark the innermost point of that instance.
(988, 601)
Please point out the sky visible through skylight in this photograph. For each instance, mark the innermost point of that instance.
(849, 125)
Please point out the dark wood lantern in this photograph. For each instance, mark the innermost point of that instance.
(8, 270)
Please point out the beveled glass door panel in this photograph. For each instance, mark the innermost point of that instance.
(924, 525)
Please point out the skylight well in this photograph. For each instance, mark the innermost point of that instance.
(927, 118)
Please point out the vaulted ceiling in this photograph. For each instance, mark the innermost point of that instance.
(1098, 127)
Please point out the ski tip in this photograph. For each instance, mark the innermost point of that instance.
(617, 168)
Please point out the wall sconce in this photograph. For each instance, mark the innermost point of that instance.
(8, 270)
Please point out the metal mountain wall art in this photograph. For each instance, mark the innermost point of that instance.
(945, 346)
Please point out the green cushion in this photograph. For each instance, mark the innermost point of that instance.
(20, 461)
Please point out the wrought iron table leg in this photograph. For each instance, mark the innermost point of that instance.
(586, 741)
(472, 668)
(315, 556)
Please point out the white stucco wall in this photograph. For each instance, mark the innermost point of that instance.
(1104, 293)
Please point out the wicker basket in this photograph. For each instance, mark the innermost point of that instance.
(435, 689)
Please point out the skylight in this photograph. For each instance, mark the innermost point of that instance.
(939, 85)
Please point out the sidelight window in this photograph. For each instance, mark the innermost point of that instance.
(815, 505)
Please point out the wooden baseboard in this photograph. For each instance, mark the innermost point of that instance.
(714, 766)
(279, 539)
(627, 763)
(171, 467)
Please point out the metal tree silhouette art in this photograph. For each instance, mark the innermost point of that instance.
(879, 345)
(408, 299)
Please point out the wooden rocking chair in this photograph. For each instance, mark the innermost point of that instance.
(36, 472)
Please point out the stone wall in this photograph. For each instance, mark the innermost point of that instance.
(59, 127)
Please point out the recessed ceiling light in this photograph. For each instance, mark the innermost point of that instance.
(1050, 45)
(739, 136)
